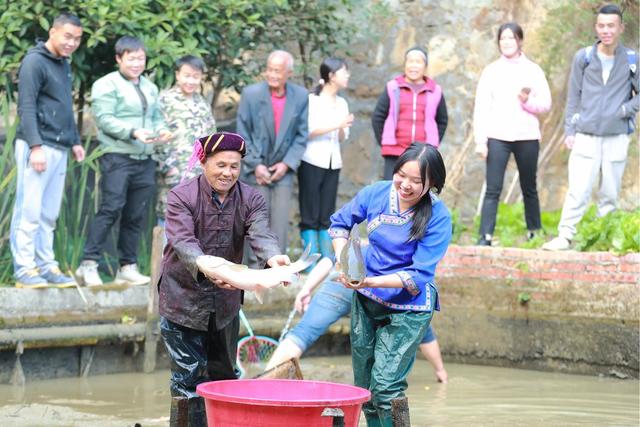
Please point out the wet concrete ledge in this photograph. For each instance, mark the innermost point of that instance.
(568, 312)
(85, 305)
(51, 333)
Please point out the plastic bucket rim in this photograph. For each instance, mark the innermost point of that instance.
(365, 395)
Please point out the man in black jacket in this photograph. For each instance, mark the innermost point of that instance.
(46, 132)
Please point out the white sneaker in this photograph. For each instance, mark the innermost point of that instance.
(87, 274)
(557, 244)
(129, 275)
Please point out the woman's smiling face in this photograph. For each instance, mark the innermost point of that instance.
(408, 183)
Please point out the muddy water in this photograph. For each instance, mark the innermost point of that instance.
(475, 396)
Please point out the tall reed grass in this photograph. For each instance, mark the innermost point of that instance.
(7, 189)
(79, 204)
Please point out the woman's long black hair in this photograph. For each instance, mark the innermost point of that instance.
(329, 66)
(433, 174)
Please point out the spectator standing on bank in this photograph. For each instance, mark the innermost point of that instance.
(410, 109)
(45, 134)
(272, 118)
(602, 103)
(329, 123)
(188, 116)
(511, 93)
(129, 121)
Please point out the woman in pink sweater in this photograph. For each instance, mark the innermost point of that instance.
(512, 91)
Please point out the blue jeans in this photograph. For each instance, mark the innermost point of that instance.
(330, 303)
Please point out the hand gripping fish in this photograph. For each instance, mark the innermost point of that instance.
(351, 260)
(249, 279)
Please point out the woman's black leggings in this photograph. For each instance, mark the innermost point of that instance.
(317, 192)
(526, 154)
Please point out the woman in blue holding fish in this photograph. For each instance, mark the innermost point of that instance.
(409, 230)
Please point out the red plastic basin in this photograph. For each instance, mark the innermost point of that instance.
(291, 403)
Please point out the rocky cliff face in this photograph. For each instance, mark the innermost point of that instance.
(460, 37)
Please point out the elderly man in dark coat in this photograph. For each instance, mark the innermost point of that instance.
(210, 214)
(273, 119)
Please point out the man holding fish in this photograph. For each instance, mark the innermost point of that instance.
(207, 220)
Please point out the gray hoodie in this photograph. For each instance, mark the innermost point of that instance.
(45, 102)
(595, 108)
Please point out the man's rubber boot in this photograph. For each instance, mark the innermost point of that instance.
(179, 415)
(197, 414)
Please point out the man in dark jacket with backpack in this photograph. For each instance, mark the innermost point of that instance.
(602, 103)
(46, 132)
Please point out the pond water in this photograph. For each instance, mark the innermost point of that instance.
(474, 396)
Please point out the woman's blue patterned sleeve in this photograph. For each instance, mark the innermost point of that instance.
(354, 212)
(429, 251)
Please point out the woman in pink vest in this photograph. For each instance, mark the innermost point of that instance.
(511, 93)
(411, 109)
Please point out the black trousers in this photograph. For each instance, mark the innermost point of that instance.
(127, 186)
(200, 356)
(317, 192)
(526, 154)
(389, 164)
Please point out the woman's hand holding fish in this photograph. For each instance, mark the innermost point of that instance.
(367, 282)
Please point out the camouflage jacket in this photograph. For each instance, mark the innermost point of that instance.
(188, 119)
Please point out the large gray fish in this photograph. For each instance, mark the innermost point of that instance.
(351, 259)
(249, 279)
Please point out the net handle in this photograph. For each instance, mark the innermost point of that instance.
(246, 324)
(288, 324)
